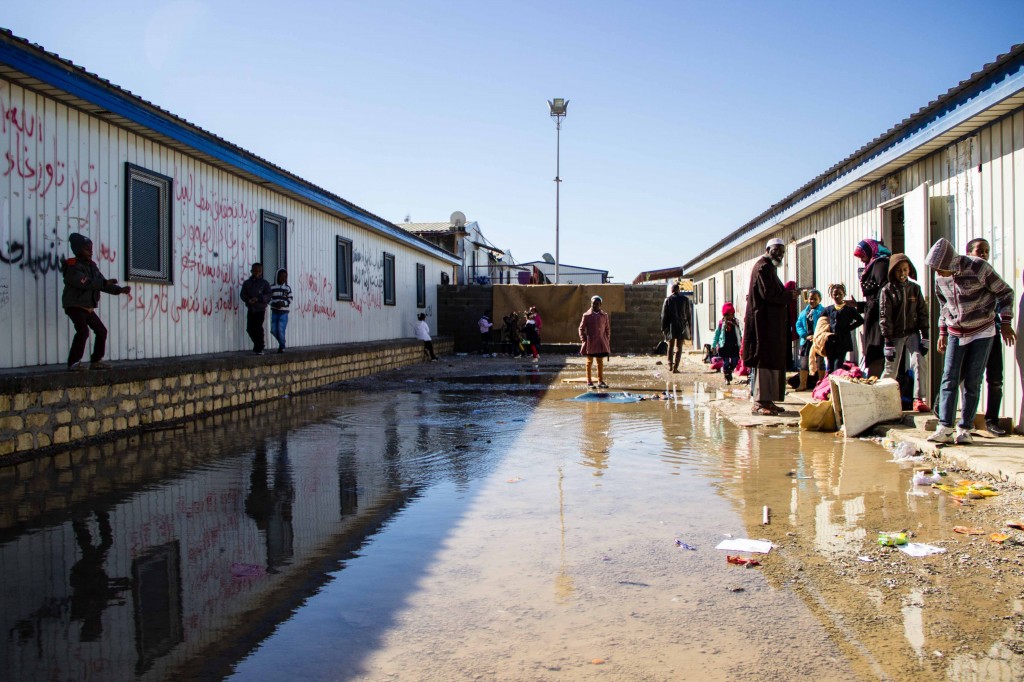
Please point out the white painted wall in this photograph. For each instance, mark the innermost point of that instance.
(62, 171)
(975, 186)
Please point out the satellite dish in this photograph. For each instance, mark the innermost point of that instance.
(548, 259)
(458, 219)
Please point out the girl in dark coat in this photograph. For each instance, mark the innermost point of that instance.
(875, 257)
(843, 318)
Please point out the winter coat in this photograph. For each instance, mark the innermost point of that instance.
(727, 341)
(421, 330)
(970, 295)
(766, 338)
(531, 333)
(902, 310)
(258, 289)
(595, 333)
(841, 322)
(675, 316)
(807, 321)
(83, 283)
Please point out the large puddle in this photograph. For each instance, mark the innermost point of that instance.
(447, 530)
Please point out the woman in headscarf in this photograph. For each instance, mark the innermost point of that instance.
(875, 257)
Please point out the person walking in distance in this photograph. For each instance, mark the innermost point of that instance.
(280, 300)
(256, 294)
(83, 284)
(675, 324)
(484, 324)
(422, 332)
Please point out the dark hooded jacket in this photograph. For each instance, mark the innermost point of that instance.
(83, 283)
(675, 316)
(902, 310)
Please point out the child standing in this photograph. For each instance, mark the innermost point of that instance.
(532, 335)
(968, 289)
(596, 337)
(485, 324)
(422, 332)
(726, 343)
(979, 248)
(280, 300)
(843, 318)
(83, 283)
(806, 323)
(903, 316)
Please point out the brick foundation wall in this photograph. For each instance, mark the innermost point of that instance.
(46, 409)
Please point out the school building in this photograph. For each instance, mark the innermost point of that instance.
(180, 215)
(954, 169)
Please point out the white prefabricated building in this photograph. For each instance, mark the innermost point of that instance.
(180, 215)
(954, 169)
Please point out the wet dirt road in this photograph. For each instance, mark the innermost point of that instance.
(469, 520)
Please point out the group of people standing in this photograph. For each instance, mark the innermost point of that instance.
(975, 312)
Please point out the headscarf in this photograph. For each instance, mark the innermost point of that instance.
(873, 250)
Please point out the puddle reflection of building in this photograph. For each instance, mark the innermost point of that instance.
(597, 443)
(92, 590)
(270, 506)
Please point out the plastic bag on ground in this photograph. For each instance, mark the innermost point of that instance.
(818, 417)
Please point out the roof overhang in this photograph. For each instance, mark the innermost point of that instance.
(37, 70)
(1003, 97)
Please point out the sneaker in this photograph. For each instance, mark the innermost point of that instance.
(257, 352)
(590, 384)
(77, 367)
(942, 435)
(601, 384)
(535, 360)
(963, 437)
(994, 428)
(921, 406)
(99, 364)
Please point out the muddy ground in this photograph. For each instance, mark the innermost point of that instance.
(955, 615)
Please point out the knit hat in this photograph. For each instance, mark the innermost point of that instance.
(78, 242)
(941, 255)
(728, 308)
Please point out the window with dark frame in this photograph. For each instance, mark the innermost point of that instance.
(273, 244)
(805, 264)
(343, 269)
(389, 279)
(712, 313)
(421, 285)
(147, 226)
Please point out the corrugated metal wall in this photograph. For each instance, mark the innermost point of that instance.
(62, 171)
(975, 187)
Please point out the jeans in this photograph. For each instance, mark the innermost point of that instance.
(84, 320)
(278, 325)
(918, 363)
(254, 326)
(971, 360)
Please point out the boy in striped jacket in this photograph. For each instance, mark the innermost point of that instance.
(280, 300)
(969, 291)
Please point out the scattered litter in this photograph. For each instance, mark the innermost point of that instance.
(740, 561)
(598, 661)
(999, 538)
(928, 476)
(247, 570)
(972, 490)
(737, 589)
(744, 545)
(634, 584)
(514, 480)
(683, 545)
(1019, 525)
(764, 516)
(866, 559)
(920, 549)
(968, 531)
(892, 539)
(904, 451)
(776, 436)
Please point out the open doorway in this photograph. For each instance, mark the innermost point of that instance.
(894, 227)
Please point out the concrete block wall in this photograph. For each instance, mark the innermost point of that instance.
(48, 410)
(637, 330)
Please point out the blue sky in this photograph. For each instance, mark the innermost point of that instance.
(686, 119)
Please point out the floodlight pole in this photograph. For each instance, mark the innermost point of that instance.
(558, 108)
